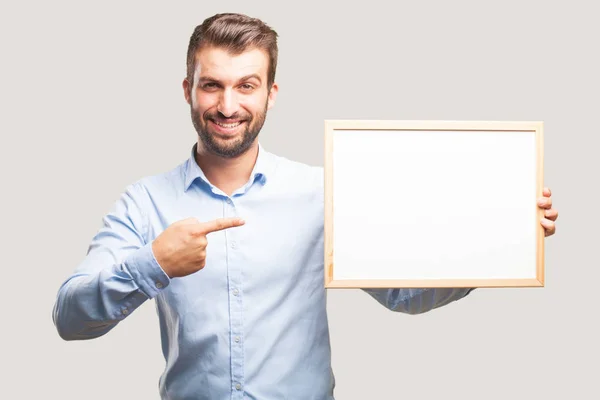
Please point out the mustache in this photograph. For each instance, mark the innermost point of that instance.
(218, 116)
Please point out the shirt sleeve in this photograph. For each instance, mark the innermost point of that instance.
(417, 301)
(117, 275)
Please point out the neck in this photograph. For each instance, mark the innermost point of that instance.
(228, 174)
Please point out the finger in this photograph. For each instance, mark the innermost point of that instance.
(219, 224)
(545, 202)
(549, 226)
(547, 192)
(551, 214)
(202, 241)
(188, 221)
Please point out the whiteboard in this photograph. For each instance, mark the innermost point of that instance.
(433, 204)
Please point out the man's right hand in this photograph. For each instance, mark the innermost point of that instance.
(181, 248)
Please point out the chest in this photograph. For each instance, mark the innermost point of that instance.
(279, 249)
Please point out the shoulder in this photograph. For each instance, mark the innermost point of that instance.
(297, 174)
(169, 181)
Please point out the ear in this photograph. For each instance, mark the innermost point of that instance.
(187, 91)
(272, 96)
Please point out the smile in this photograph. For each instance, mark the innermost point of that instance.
(228, 126)
(227, 129)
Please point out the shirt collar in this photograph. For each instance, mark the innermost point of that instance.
(262, 168)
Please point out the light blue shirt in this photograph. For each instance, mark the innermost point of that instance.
(251, 324)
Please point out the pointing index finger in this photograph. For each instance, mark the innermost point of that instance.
(219, 224)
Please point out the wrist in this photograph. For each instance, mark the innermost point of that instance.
(146, 272)
(160, 258)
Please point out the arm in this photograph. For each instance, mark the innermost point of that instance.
(118, 274)
(417, 301)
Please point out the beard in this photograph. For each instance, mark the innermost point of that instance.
(234, 147)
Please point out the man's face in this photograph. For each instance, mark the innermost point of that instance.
(229, 99)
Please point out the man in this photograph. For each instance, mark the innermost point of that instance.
(229, 244)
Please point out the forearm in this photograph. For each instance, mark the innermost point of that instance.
(94, 300)
(417, 301)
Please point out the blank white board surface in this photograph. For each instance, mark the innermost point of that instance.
(433, 204)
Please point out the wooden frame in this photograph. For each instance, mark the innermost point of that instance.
(454, 228)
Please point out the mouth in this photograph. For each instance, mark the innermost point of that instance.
(227, 128)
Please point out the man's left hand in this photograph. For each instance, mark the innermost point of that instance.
(548, 221)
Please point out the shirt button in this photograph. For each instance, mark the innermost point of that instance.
(235, 292)
(233, 245)
(237, 339)
(125, 311)
(229, 201)
(159, 285)
(238, 386)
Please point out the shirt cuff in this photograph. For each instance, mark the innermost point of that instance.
(146, 271)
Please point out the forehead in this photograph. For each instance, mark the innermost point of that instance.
(220, 64)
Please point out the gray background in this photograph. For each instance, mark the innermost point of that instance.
(91, 100)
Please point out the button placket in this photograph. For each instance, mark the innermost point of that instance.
(235, 302)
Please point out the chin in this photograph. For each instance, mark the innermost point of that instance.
(227, 147)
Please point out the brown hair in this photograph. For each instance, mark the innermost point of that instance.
(236, 33)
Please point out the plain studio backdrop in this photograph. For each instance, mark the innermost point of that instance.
(92, 101)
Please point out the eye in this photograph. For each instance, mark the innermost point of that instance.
(209, 85)
(247, 87)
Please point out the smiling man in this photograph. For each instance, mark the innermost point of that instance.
(229, 98)
(229, 244)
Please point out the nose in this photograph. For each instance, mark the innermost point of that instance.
(228, 104)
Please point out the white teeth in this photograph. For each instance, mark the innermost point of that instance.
(228, 126)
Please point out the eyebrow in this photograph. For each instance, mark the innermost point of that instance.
(242, 79)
